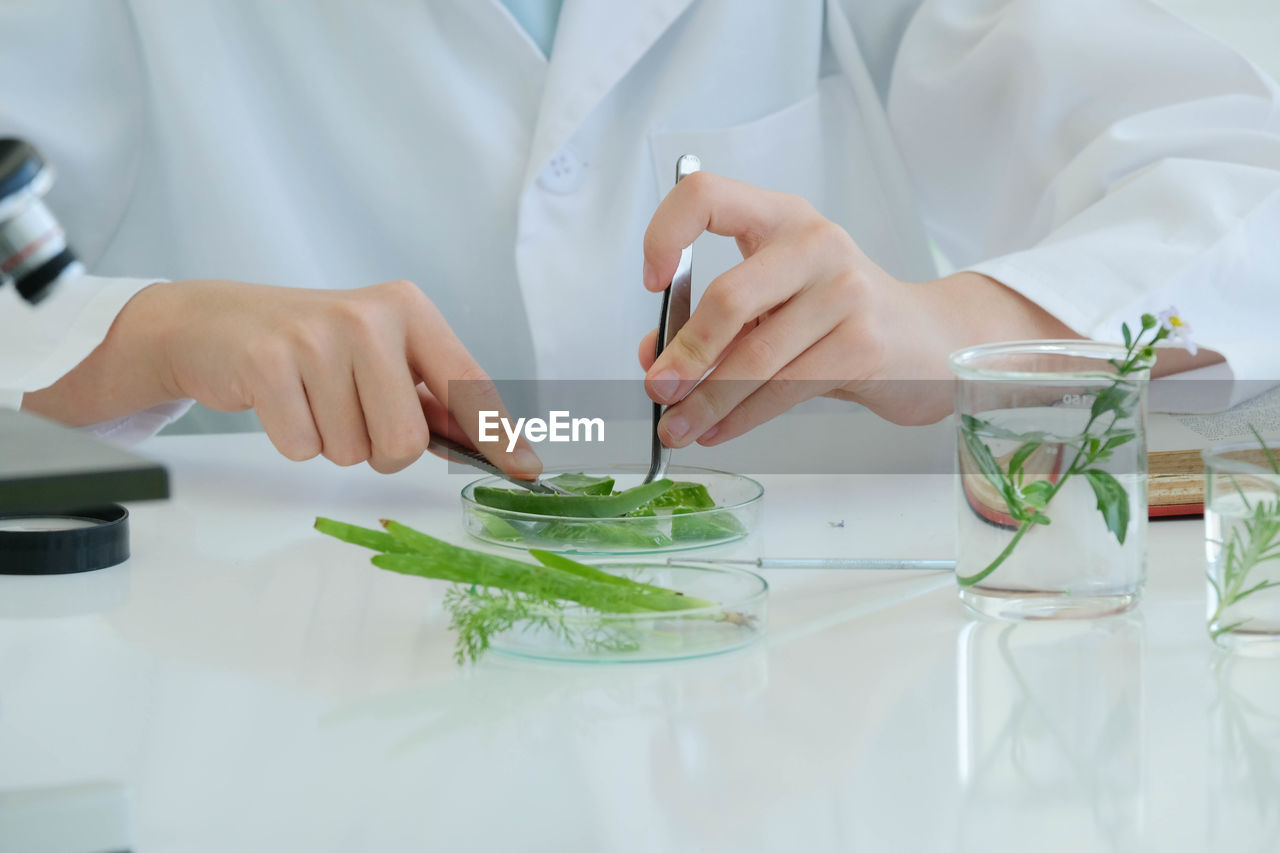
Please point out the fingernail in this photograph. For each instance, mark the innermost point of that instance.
(677, 427)
(526, 460)
(649, 275)
(665, 385)
(709, 434)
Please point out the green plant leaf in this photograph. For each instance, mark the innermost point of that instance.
(986, 462)
(990, 469)
(1037, 493)
(1109, 399)
(1113, 501)
(1020, 456)
(1226, 629)
(1118, 439)
(989, 430)
(1262, 442)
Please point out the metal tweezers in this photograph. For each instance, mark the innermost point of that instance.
(675, 313)
(455, 452)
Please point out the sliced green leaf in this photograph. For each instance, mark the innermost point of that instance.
(559, 561)
(499, 528)
(691, 525)
(377, 540)
(584, 484)
(683, 494)
(572, 506)
(604, 533)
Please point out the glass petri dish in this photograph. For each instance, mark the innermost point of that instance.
(737, 619)
(735, 516)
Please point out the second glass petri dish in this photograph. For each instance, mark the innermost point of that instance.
(735, 616)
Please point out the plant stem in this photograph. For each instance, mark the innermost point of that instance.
(970, 580)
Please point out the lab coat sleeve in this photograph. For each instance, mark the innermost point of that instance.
(1101, 157)
(39, 344)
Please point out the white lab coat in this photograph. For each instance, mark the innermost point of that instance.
(1099, 156)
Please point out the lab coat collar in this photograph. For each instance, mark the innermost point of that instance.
(596, 44)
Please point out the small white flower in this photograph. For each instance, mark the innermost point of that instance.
(1179, 332)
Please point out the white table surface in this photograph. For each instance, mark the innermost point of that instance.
(249, 684)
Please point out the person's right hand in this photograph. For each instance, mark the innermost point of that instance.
(354, 375)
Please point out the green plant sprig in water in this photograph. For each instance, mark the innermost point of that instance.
(1242, 553)
(1028, 502)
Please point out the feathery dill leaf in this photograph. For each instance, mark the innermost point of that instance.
(477, 615)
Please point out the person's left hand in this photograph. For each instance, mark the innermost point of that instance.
(807, 313)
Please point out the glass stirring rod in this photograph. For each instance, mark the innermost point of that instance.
(869, 563)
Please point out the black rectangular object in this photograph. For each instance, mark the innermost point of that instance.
(48, 467)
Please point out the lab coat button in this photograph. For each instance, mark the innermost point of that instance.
(564, 174)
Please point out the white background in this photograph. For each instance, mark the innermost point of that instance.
(1250, 26)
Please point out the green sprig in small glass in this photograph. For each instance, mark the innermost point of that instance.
(1028, 502)
(1246, 546)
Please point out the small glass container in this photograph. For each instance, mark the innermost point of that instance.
(736, 619)
(1242, 545)
(735, 516)
(1052, 484)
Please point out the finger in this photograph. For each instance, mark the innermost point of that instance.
(707, 202)
(278, 398)
(648, 347)
(457, 380)
(335, 406)
(749, 363)
(439, 419)
(442, 422)
(649, 342)
(792, 385)
(737, 297)
(393, 415)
